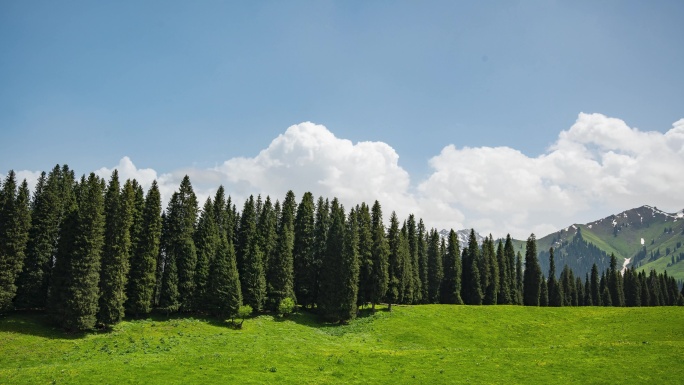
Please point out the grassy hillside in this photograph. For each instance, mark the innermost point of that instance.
(622, 235)
(413, 344)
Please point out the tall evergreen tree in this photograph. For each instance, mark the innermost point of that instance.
(503, 297)
(379, 272)
(412, 238)
(15, 220)
(47, 215)
(267, 231)
(451, 286)
(364, 224)
(74, 288)
(421, 246)
(488, 261)
(303, 250)
(338, 276)
(615, 285)
(568, 287)
(142, 280)
(206, 238)
(115, 262)
(532, 274)
(223, 287)
(509, 256)
(518, 279)
(321, 225)
(281, 276)
(435, 269)
(405, 256)
(251, 259)
(471, 290)
(395, 287)
(543, 292)
(595, 287)
(186, 257)
(554, 290)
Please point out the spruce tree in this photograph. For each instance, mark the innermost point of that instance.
(595, 289)
(518, 279)
(395, 286)
(116, 252)
(206, 238)
(421, 246)
(412, 238)
(504, 295)
(554, 290)
(223, 287)
(489, 262)
(379, 273)
(331, 284)
(142, 279)
(532, 274)
(615, 285)
(408, 276)
(74, 289)
(15, 220)
(321, 225)
(471, 290)
(509, 256)
(303, 250)
(543, 292)
(268, 219)
(435, 269)
(281, 275)
(186, 258)
(451, 285)
(364, 224)
(349, 272)
(33, 282)
(251, 259)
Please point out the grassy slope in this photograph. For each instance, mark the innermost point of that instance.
(414, 344)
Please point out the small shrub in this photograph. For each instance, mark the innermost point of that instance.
(243, 312)
(286, 307)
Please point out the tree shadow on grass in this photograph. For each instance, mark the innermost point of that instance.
(37, 323)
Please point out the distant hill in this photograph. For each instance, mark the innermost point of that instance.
(644, 237)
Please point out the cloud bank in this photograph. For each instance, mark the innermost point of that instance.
(597, 167)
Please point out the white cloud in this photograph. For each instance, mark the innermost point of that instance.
(597, 167)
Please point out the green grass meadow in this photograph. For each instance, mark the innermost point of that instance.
(426, 344)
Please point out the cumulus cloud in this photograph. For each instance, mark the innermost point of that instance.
(598, 166)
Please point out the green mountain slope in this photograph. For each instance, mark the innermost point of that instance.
(644, 237)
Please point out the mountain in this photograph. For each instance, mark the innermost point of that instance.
(644, 238)
(463, 236)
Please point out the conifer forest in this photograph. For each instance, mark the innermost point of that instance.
(89, 251)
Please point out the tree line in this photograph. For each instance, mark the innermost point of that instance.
(89, 252)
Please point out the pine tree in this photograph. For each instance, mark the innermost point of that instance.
(408, 276)
(491, 283)
(364, 224)
(435, 269)
(503, 297)
(554, 290)
(303, 250)
(186, 258)
(421, 246)
(74, 289)
(532, 274)
(412, 238)
(379, 274)
(471, 290)
(509, 256)
(321, 225)
(267, 233)
(281, 277)
(518, 279)
(568, 288)
(206, 238)
(142, 280)
(543, 292)
(451, 286)
(15, 220)
(395, 286)
(223, 287)
(116, 252)
(595, 289)
(615, 285)
(332, 285)
(47, 215)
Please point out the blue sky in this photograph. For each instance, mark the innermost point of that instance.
(187, 87)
